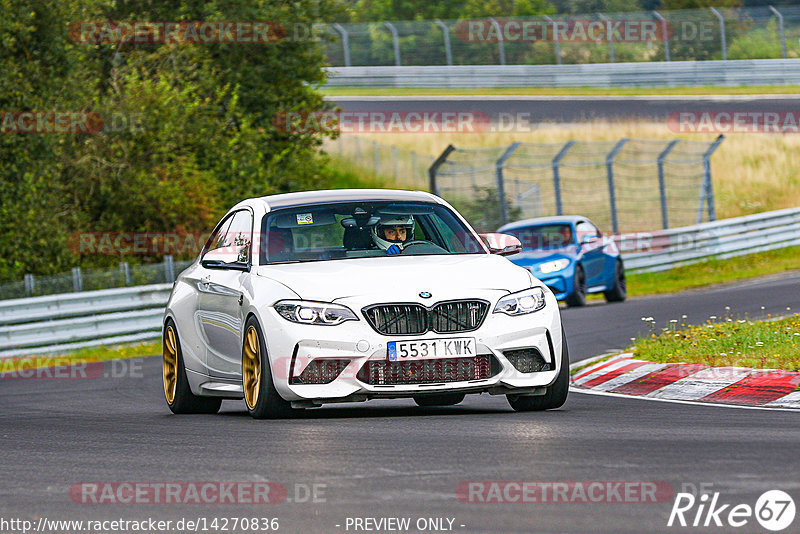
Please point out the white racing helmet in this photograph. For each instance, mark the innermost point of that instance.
(392, 220)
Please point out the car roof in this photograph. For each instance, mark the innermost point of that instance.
(305, 198)
(563, 219)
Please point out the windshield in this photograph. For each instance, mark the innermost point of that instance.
(363, 229)
(544, 236)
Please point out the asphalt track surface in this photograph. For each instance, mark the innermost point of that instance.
(392, 459)
(576, 108)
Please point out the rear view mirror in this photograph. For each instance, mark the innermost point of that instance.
(588, 238)
(501, 244)
(219, 259)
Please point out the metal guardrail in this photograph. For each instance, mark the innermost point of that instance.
(77, 320)
(662, 250)
(58, 323)
(664, 74)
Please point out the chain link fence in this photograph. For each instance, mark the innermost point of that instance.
(406, 169)
(625, 185)
(676, 35)
(87, 280)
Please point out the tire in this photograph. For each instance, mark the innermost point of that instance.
(260, 396)
(444, 399)
(177, 392)
(620, 290)
(578, 296)
(556, 394)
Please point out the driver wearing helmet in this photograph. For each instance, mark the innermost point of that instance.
(392, 232)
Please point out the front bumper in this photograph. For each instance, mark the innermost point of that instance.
(292, 347)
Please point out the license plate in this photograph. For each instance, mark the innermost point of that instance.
(429, 349)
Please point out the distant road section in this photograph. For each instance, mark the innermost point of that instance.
(576, 108)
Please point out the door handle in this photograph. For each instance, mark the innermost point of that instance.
(241, 298)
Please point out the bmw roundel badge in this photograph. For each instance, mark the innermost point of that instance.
(425, 295)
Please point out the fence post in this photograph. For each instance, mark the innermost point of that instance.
(169, 269)
(345, 42)
(438, 162)
(126, 272)
(609, 36)
(30, 284)
(664, 31)
(612, 193)
(501, 189)
(395, 42)
(662, 186)
(557, 177)
(413, 165)
(376, 157)
(780, 29)
(447, 50)
(357, 142)
(500, 46)
(708, 188)
(555, 39)
(77, 279)
(394, 162)
(721, 33)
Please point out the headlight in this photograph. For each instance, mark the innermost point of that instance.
(553, 266)
(527, 301)
(299, 311)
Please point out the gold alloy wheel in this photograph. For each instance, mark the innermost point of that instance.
(170, 367)
(251, 367)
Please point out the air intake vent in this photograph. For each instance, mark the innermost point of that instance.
(527, 360)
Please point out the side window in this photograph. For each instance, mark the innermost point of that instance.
(240, 236)
(233, 238)
(584, 229)
(218, 238)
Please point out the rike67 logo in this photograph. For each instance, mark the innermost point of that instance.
(774, 510)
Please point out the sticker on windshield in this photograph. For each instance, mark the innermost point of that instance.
(305, 218)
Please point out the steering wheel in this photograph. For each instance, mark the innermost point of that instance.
(416, 242)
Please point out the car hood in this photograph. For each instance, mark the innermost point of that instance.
(400, 278)
(530, 258)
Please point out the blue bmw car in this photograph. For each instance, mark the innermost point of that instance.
(571, 256)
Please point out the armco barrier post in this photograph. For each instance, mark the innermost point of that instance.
(448, 52)
(501, 189)
(664, 31)
(780, 30)
(438, 162)
(376, 158)
(345, 43)
(612, 193)
(557, 176)
(394, 162)
(662, 186)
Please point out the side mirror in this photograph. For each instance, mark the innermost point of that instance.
(588, 238)
(219, 259)
(501, 244)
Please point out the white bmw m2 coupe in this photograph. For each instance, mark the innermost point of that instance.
(303, 299)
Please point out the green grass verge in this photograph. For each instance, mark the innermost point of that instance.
(80, 356)
(579, 368)
(715, 271)
(734, 342)
(567, 91)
